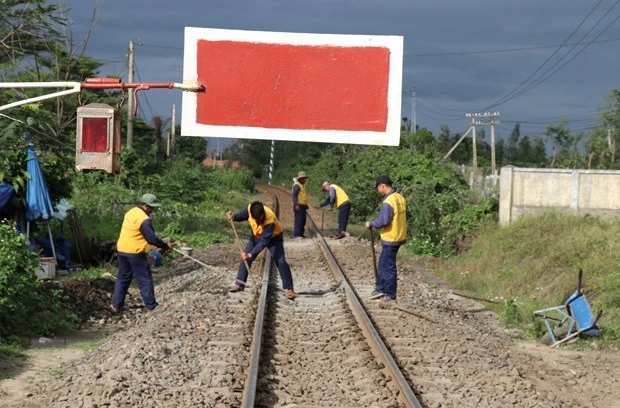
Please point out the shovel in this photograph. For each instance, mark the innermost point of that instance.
(239, 244)
(372, 251)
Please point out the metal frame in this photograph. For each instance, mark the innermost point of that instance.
(564, 313)
(92, 83)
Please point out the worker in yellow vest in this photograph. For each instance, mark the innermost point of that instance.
(136, 239)
(266, 233)
(392, 224)
(339, 199)
(300, 204)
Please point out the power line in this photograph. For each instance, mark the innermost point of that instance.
(507, 97)
(541, 80)
(502, 50)
(144, 96)
(162, 46)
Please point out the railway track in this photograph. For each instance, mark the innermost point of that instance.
(321, 349)
(202, 348)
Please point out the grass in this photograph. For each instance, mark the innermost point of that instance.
(11, 351)
(534, 263)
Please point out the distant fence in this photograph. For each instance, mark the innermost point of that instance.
(526, 190)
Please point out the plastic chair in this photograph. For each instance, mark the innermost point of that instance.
(573, 318)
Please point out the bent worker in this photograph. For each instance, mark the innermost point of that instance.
(136, 239)
(392, 224)
(266, 233)
(300, 204)
(339, 199)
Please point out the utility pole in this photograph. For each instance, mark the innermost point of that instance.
(173, 130)
(480, 119)
(130, 100)
(413, 112)
(474, 122)
(493, 116)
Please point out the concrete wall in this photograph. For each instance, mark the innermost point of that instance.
(525, 190)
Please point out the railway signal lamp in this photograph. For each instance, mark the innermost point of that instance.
(98, 140)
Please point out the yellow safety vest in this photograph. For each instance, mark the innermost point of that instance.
(131, 240)
(396, 230)
(341, 196)
(302, 197)
(270, 218)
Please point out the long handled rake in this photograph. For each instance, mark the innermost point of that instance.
(372, 251)
(195, 260)
(240, 246)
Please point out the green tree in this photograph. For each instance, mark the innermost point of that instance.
(24, 308)
(193, 148)
(512, 145)
(422, 141)
(611, 121)
(560, 138)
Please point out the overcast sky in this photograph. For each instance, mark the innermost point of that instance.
(534, 61)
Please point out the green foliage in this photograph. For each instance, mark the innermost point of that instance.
(441, 210)
(187, 183)
(174, 230)
(25, 309)
(461, 225)
(202, 239)
(510, 314)
(11, 349)
(13, 172)
(536, 260)
(26, 26)
(193, 148)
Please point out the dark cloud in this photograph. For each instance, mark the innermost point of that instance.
(446, 84)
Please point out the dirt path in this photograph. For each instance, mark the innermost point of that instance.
(20, 374)
(485, 358)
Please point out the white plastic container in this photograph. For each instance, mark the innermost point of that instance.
(186, 250)
(47, 268)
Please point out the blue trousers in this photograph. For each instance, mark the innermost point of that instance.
(343, 216)
(386, 271)
(276, 249)
(134, 266)
(300, 222)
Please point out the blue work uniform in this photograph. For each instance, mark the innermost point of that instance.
(136, 239)
(392, 224)
(267, 235)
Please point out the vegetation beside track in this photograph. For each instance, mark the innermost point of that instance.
(534, 264)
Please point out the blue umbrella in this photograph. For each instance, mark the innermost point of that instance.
(6, 192)
(38, 203)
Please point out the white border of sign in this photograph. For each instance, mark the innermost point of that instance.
(390, 137)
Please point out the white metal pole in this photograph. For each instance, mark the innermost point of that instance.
(473, 136)
(414, 123)
(130, 100)
(271, 162)
(173, 130)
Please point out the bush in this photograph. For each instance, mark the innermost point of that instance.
(25, 308)
(441, 209)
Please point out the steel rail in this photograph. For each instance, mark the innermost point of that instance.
(366, 325)
(249, 392)
(364, 322)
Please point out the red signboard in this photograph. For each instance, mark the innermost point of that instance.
(287, 86)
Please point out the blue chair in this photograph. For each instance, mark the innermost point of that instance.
(570, 320)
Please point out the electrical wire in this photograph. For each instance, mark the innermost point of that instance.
(38, 132)
(146, 100)
(502, 50)
(516, 92)
(538, 82)
(549, 58)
